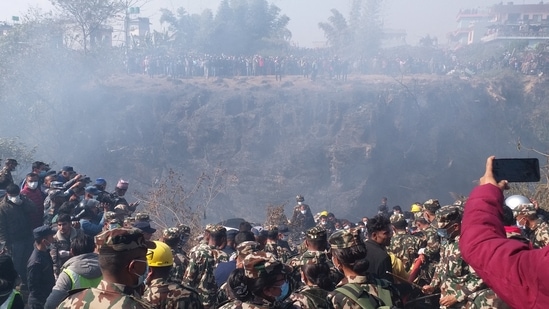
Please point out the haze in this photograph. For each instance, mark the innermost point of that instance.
(418, 18)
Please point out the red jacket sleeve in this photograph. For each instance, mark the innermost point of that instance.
(519, 275)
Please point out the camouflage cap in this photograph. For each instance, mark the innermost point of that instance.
(129, 220)
(141, 216)
(397, 218)
(109, 215)
(122, 239)
(209, 227)
(431, 205)
(316, 232)
(527, 209)
(262, 264)
(313, 257)
(345, 239)
(216, 228)
(448, 214)
(171, 233)
(184, 229)
(247, 247)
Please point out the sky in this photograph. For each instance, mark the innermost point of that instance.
(417, 17)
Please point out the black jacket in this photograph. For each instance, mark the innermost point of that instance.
(40, 278)
(380, 261)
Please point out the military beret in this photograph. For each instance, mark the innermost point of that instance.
(122, 239)
(313, 257)
(316, 232)
(527, 209)
(141, 216)
(247, 247)
(397, 218)
(345, 239)
(431, 205)
(262, 264)
(448, 214)
(171, 233)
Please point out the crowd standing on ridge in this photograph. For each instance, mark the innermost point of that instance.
(65, 242)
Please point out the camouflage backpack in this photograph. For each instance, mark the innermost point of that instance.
(316, 298)
(364, 300)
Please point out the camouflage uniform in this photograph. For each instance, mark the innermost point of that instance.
(374, 289)
(108, 294)
(403, 245)
(453, 275)
(311, 296)
(180, 260)
(432, 245)
(487, 299)
(540, 232)
(199, 273)
(163, 294)
(142, 217)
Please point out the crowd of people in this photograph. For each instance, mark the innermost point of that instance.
(68, 243)
(314, 65)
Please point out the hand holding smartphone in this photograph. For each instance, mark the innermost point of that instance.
(516, 170)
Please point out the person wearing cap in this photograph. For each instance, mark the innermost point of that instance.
(10, 298)
(119, 193)
(148, 231)
(271, 245)
(224, 269)
(5, 174)
(261, 283)
(430, 255)
(40, 275)
(379, 237)
(16, 229)
(302, 217)
(160, 292)
(314, 270)
(80, 271)
(123, 263)
(61, 245)
(202, 263)
(403, 245)
(172, 237)
(349, 255)
(32, 191)
(91, 220)
(457, 282)
(526, 218)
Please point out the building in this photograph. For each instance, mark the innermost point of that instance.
(5, 28)
(471, 27)
(519, 22)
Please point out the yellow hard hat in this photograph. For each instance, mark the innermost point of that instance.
(324, 213)
(416, 208)
(161, 256)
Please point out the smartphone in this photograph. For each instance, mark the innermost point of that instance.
(516, 170)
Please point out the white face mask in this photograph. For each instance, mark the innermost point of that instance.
(303, 211)
(33, 185)
(298, 203)
(519, 225)
(15, 199)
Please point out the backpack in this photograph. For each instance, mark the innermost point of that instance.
(363, 299)
(316, 299)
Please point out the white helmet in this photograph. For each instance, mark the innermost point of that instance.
(515, 200)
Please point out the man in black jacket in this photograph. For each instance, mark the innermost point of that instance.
(40, 268)
(379, 237)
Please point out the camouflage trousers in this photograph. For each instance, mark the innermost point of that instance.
(487, 299)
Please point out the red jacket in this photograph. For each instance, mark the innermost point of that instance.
(518, 274)
(36, 196)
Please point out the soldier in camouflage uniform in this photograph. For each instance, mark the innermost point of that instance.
(313, 269)
(109, 216)
(458, 282)
(261, 284)
(431, 253)
(122, 258)
(172, 237)
(142, 217)
(200, 272)
(403, 245)
(129, 221)
(348, 254)
(526, 216)
(160, 292)
(272, 246)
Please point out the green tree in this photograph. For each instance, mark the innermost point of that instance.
(89, 15)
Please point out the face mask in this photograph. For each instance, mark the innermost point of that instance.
(346, 227)
(141, 278)
(395, 212)
(323, 222)
(285, 288)
(298, 203)
(303, 211)
(113, 226)
(15, 199)
(442, 233)
(33, 185)
(519, 225)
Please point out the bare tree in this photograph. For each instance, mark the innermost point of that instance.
(89, 15)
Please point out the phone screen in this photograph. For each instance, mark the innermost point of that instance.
(516, 170)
